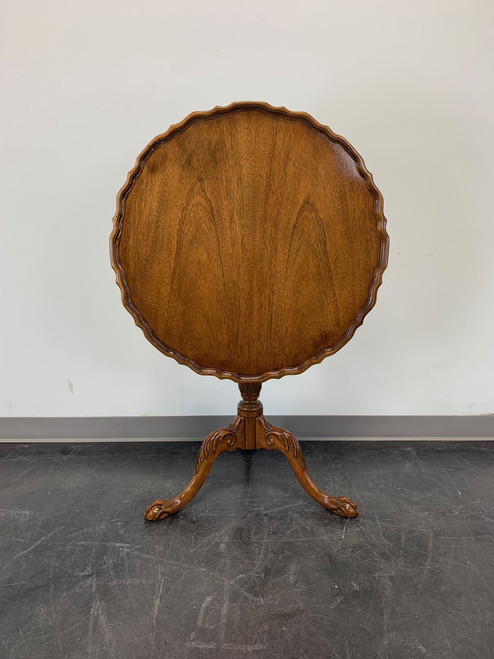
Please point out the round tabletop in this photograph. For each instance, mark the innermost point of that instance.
(249, 242)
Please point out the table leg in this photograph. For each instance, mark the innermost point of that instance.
(225, 439)
(271, 437)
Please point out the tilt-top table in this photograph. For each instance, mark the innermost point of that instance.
(249, 243)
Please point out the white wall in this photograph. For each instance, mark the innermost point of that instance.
(85, 87)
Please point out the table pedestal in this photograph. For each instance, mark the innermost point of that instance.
(250, 430)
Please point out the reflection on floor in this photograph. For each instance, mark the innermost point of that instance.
(252, 567)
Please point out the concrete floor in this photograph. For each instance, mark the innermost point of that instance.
(252, 567)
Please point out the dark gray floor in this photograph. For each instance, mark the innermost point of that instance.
(253, 567)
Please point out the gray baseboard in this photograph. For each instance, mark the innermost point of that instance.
(168, 428)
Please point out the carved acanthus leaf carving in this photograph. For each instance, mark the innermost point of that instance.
(210, 446)
(274, 436)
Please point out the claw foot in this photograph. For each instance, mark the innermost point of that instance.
(160, 509)
(344, 507)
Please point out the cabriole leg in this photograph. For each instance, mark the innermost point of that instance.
(271, 437)
(225, 439)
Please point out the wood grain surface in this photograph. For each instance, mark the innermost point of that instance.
(249, 242)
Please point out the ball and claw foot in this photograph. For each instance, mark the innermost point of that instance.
(160, 509)
(344, 507)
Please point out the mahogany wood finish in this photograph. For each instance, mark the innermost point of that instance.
(249, 243)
